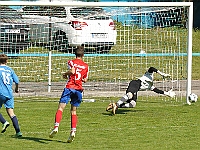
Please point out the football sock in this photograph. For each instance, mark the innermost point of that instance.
(58, 118)
(74, 120)
(122, 100)
(123, 105)
(15, 123)
(127, 105)
(2, 120)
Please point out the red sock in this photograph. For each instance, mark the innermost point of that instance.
(74, 120)
(58, 118)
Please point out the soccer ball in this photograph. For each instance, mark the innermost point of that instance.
(193, 97)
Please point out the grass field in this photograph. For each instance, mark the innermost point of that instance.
(152, 125)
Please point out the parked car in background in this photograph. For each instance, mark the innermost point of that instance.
(14, 33)
(67, 27)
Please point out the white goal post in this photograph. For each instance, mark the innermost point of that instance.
(189, 24)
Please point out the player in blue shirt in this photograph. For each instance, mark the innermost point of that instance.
(7, 77)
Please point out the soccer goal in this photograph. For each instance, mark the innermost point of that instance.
(122, 40)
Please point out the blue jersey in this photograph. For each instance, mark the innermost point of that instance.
(7, 77)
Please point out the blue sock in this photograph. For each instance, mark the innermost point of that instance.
(2, 120)
(15, 124)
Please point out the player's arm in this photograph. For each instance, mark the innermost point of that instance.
(16, 87)
(164, 75)
(85, 77)
(69, 73)
(158, 91)
(169, 93)
(84, 80)
(16, 81)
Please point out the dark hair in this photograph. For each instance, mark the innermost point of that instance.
(79, 52)
(3, 58)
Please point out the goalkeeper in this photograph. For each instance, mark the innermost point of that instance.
(143, 83)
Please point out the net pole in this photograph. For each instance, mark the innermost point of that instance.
(50, 59)
(189, 54)
(49, 72)
(50, 55)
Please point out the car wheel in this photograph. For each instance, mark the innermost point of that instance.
(60, 41)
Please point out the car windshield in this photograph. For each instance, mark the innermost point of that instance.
(78, 12)
(9, 15)
(54, 11)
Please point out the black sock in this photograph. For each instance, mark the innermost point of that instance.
(15, 124)
(122, 100)
(2, 120)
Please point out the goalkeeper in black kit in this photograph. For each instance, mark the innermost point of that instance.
(143, 83)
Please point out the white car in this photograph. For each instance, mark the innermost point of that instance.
(63, 27)
(14, 33)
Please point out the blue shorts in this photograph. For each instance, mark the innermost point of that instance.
(8, 102)
(74, 95)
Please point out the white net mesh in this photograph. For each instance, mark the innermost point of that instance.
(121, 43)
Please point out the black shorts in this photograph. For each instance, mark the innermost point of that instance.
(134, 86)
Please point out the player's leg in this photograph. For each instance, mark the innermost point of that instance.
(65, 97)
(133, 87)
(74, 120)
(58, 118)
(110, 106)
(124, 99)
(76, 99)
(9, 104)
(5, 123)
(130, 103)
(114, 108)
(121, 102)
(14, 120)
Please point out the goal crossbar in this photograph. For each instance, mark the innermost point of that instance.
(113, 4)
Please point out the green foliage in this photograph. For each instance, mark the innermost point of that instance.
(153, 125)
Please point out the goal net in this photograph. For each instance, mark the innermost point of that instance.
(122, 40)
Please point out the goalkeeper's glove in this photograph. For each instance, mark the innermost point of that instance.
(170, 93)
(164, 75)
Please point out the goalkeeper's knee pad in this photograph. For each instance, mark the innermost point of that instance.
(130, 95)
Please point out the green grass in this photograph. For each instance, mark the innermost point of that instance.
(152, 125)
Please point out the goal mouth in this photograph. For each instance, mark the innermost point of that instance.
(131, 37)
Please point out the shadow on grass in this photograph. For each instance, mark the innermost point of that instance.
(122, 111)
(40, 140)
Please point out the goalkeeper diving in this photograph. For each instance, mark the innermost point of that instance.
(141, 84)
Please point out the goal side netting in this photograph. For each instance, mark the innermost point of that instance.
(122, 40)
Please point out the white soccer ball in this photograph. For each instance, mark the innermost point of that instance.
(193, 97)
